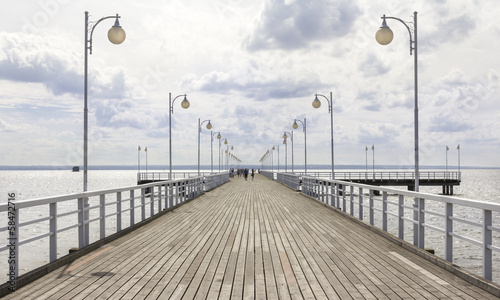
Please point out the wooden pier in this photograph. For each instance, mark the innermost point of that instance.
(254, 240)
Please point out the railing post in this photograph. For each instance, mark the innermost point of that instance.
(360, 209)
(487, 243)
(81, 222)
(170, 194)
(143, 204)
(344, 203)
(118, 211)
(371, 212)
(132, 208)
(384, 211)
(53, 231)
(160, 197)
(448, 245)
(401, 214)
(102, 216)
(151, 201)
(351, 200)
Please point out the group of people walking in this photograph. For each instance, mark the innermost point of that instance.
(244, 173)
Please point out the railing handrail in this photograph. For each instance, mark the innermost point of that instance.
(171, 193)
(333, 192)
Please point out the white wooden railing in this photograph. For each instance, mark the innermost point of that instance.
(453, 221)
(50, 226)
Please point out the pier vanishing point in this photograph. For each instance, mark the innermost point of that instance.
(255, 239)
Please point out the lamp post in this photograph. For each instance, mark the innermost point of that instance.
(209, 126)
(447, 149)
(285, 133)
(278, 148)
(286, 155)
(116, 35)
(146, 150)
(316, 104)
(373, 165)
(384, 36)
(295, 126)
(458, 149)
(184, 104)
(227, 154)
(225, 143)
(139, 159)
(212, 148)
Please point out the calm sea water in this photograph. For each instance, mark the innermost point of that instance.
(477, 184)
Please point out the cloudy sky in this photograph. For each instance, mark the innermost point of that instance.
(251, 67)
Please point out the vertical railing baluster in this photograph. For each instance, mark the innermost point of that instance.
(151, 201)
(360, 208)
(351, 200)
(160, 198)
(53, 231)
(371, 210)
(132, 208)
(384, 211)
(487, 243)
(401, 211)
(344, 203)
(118, 211)
(81, 222)
(143, 204)
(448, 245)
(102, 215)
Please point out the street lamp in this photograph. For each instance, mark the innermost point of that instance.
(212, 148)
(286, 155)
(285, 134)
(316, 104)
(184, 104)
(384, 36)
(278, 148)
(209, 126)
(116, 35)
(295, 126)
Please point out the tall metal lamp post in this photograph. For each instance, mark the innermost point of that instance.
(209, 126)
(285, 134)
(295, 126)
(116, 35)
(277, 147)
(184, 104)
(316, 104)
(384, 36)
(212, 148)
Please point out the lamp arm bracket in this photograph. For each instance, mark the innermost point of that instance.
(172, 105)
(91, 26)
(411, 30)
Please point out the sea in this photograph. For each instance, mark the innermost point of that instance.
(477, 184)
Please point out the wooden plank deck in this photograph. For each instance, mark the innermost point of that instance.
(252, 240)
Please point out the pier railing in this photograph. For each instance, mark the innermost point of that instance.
(446, 223)
(383, 175)
(159, 176)
(50, 226)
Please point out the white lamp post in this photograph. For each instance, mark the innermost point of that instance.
(285, 134)
(295, 126)
(316, 104)
(212, 148)
(209, 126)
(116, 35)
(384, 36)
(277, 147)
(184, 104)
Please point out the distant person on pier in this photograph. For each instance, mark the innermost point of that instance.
(253, 173)
(246, 174)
